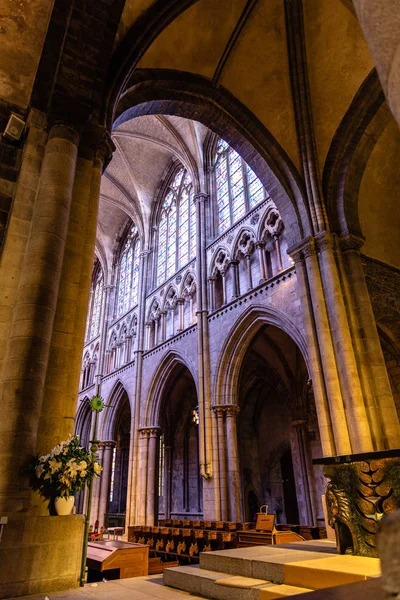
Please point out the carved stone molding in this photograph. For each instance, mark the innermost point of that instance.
(361, 489)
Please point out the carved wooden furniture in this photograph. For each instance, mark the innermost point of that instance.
(184, 539)
(265, 533)
(361, 489)
(132, 560)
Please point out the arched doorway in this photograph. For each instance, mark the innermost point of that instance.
(179, 481)
(277, 430)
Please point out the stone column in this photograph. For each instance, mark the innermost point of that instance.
(167, 480)
(147, 325)
(380, 22)
(156, 323)
(235, 508)
(105, 481)
(181, 306)
(143, 466)
(163, 326)
(356, 414)
(300, 428)
(328, 359)
(316, 370)
(260, 245)
(370, 343)
(224, 296)
(28, 348)
(212, 292)
(222, 451)
(277, 245)
(236, 283)
(151, 517)
(249, 274)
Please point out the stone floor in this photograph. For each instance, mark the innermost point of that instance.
(138, 588)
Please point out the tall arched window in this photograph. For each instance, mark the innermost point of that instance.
(128, 274)
(238, 188)
(96, 304)
(93, 317)
(177, 227)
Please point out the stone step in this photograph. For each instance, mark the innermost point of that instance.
(260, 562)
(212, 584)
(331, 572)
(273, 592)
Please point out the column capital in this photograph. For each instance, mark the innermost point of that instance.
(98, 139)
(325, 241)
(201, 197)
(151, 431)
(260, 244)
(108, 444)
(303, 250)
(230, 410)
(349, 242)
(144, 253)
(234, 262)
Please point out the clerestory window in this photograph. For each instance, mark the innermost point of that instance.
(93, 318)
(128, 273)
(237, 187)
(177, 227)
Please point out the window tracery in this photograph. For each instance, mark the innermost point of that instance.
(177, 227)
(237, 187)
(128, 273)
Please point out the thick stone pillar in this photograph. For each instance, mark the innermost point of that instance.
(105, 481)
(151, 517)
(235, 508)
(133, 492)
(388, 423)
(222, 450)
(356, 413)
(316, 369)
(328, 359)
(25, 365)
(380, 22)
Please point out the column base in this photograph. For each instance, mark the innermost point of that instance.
(361, 489)
(40, 554)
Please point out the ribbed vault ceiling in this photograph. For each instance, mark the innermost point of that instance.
(145, 147)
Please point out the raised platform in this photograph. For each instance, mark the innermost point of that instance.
(269, 572)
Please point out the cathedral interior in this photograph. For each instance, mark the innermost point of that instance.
(199, 223)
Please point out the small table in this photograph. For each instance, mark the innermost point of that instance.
(115, 532)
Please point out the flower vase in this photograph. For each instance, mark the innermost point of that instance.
(64, 505)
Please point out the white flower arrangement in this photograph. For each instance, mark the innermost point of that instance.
(64, 471)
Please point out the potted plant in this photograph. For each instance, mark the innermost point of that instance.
(59, 475)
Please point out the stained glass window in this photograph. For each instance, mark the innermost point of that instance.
(128, 276)
(237, 187)
(96, 304)
(177, 227)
